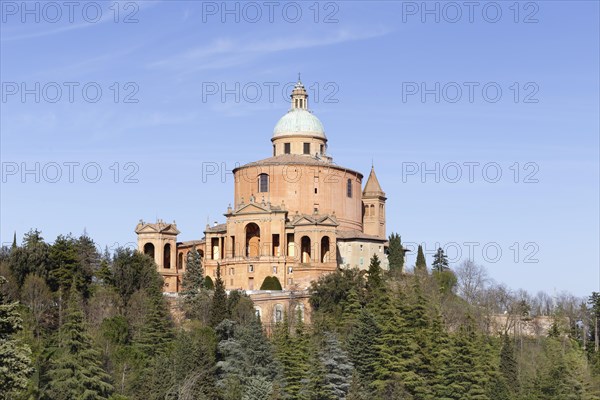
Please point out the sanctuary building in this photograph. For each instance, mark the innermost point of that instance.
(295, 216)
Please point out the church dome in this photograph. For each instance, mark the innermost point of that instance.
(299, 121)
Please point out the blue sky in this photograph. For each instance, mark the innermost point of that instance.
(368, 63)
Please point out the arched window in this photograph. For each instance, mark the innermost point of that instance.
(263, 183)
(252, 240)
(349, 188)
(305, 245)
(372, 210)
(278, 313)
(325, 249)
(149, 249)
(180, 261)
(167, 256)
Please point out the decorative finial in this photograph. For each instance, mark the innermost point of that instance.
(299, 77)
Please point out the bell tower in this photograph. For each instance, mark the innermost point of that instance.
(159, 241)
(374, 207)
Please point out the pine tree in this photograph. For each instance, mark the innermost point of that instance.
(218, 310)
(193, 278)
(421, 264)
(350, 312)
(362, 347)
(155, 333)
(77, 371)
(15, 359)
(440, 261)
(292, 356)
(461, 377)
(398, 351)
(395, 254)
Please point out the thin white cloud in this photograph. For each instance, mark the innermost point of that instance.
(227, 52)
(107, 16)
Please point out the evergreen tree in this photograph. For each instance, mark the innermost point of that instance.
(398, 352)
(193, 278)
(15, 359)
(375, 283)
(315, 386)
(440, 261)
(245, 359)
(31, 257)
(350, 312)
(461, 376)
(155, 333)
(508, 365)
(337, 368)
(218, 310)
(421, 264)
(132, 271)
(362, 347)
(292, 356)
(77, 371)
(395, 253)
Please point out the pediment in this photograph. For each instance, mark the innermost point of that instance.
(252, 208)
(168, 229)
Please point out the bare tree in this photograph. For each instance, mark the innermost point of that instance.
(36, 295)
(472, 280)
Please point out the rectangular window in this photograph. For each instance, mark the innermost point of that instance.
(315, 190)
(250, 283)
(275, 251)
(274, 269)
(306, 148)
(274, 153)
(290, 281)
(233, 246)
(250, 268)
(290, 270)
(349, 188)
(321, 148)
(287, 148)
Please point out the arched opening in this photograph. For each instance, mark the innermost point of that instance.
(278, 313)
(180, 261)
(167, 256)
(349, 188)
(263, 183)
(325, 249)
(149, 249)
(305, 245)
(252, 240)
(372, 213)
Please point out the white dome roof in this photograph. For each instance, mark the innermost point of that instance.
(299, 121)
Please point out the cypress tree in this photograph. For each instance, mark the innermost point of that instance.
(374, 278)
(395, 254)
(421, 264)
(77, 371)
(193, 278)
(15, 359)
(218, 308)
(508, 365)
